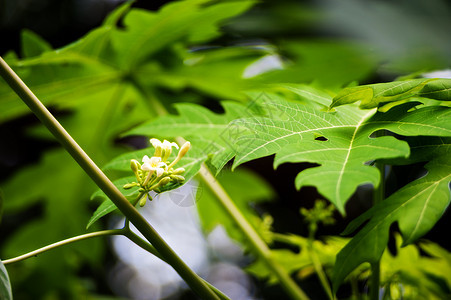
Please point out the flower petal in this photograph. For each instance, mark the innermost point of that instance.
(168, 145)
(155, 142)
(146, 167)
(160, 171)
(155, 160)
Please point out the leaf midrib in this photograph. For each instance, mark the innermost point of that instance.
(388, 216)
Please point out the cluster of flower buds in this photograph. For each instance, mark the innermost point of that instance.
(157, 171)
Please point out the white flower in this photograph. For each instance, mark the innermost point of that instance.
(153, 164)
(163, 149)
(155, 143)
(168, 145)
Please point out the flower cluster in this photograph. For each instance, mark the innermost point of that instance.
(157, 171)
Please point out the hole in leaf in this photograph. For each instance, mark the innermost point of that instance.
(321, 138)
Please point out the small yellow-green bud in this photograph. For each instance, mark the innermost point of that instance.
(164, 181)
(181, 153)
(135, 165)
(129, 185)
(184, 149)
(178, 171)
(178, 178)
(142, 202)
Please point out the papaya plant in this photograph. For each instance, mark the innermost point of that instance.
(157, 77)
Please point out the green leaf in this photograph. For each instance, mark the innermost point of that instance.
(440, 264)
(271, 125)
(207, 132)
(32, 44)
(346, 146)
(192, 21)
(5, 285)
(62, 77)
(225, 83)
(416, 207)
(421, 276)
(423, 148)
(439, 89)
(386, 95)
(113, 18)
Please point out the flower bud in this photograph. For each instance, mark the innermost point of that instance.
(178, 178)
(184, 149)
(181, 153)
(164, 181)
(178, 171)
(135, 165)
(142, 202)
(129, 185)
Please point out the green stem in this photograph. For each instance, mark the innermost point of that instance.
(125, 231)
(354, 288)
(378, 196)
(64, 242)
(149, 248)
(257, 243)
(315, 260)
(102, 181)
(319, 271)
(375, 280)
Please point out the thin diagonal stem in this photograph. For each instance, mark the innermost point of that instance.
(149, 248)
(102, 181)
(62, 243)
(258, 245)
(378, 196)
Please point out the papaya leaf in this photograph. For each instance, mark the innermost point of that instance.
(387, 95)
(5, 285)
(345, 145)
(208, 132)
(423, 148)
(416, 207)
(341, 141)
(439, 89)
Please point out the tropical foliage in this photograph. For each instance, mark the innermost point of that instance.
(144, 74)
